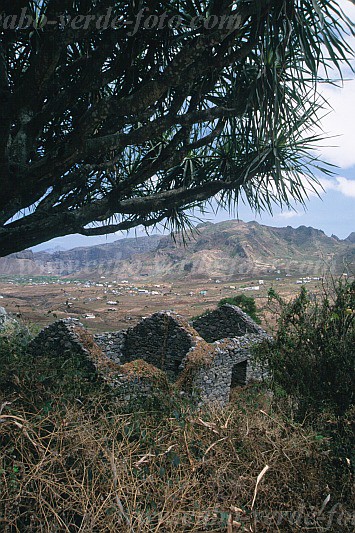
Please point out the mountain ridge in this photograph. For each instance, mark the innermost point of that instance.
(224, 249)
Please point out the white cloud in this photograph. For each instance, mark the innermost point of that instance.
(339, 184)
(338, 124)
(290, 214)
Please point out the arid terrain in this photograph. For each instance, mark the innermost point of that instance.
(106, 304)
(111, 286)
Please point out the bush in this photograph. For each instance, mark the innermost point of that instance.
(91, 464)
(14, 339)
(38, 378)
(93, 468)
(246, 303)
(312, 356)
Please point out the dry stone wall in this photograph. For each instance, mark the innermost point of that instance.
(6, 320)
(111, 343)
(3, 317)
(139, 379)
(161, 352)
(227, 321)
(209, 377)
(163, 340)
(73, 350)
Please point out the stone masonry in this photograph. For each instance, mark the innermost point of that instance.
(111, 343)
(164, 351)
(227, 321)
(6, 320)
(163, 340)
(209, 376)
(74, 349)
(3, 317)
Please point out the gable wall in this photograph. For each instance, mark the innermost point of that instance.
(227, 321)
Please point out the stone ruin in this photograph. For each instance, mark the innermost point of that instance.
(4, 318)
(227, 321)
(203, 360)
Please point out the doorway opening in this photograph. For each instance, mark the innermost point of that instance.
(239, 374)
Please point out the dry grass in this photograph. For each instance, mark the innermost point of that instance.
(78, 468)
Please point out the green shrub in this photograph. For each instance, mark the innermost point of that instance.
(312, 356)
(246, 303)
(14, 339)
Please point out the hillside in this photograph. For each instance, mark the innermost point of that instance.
(221, 250)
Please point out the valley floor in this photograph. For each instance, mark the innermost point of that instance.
(109, 305)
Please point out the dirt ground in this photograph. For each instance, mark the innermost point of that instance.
(109, 305)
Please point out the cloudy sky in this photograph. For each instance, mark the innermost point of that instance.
(333, 211)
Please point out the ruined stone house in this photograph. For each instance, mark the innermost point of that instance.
(203, 359)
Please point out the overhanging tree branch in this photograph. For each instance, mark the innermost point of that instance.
(97, 124)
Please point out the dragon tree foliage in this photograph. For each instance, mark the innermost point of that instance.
(103, 130)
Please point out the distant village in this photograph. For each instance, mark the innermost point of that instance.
(112, 292)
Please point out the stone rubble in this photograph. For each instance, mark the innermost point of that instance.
(3, 317)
